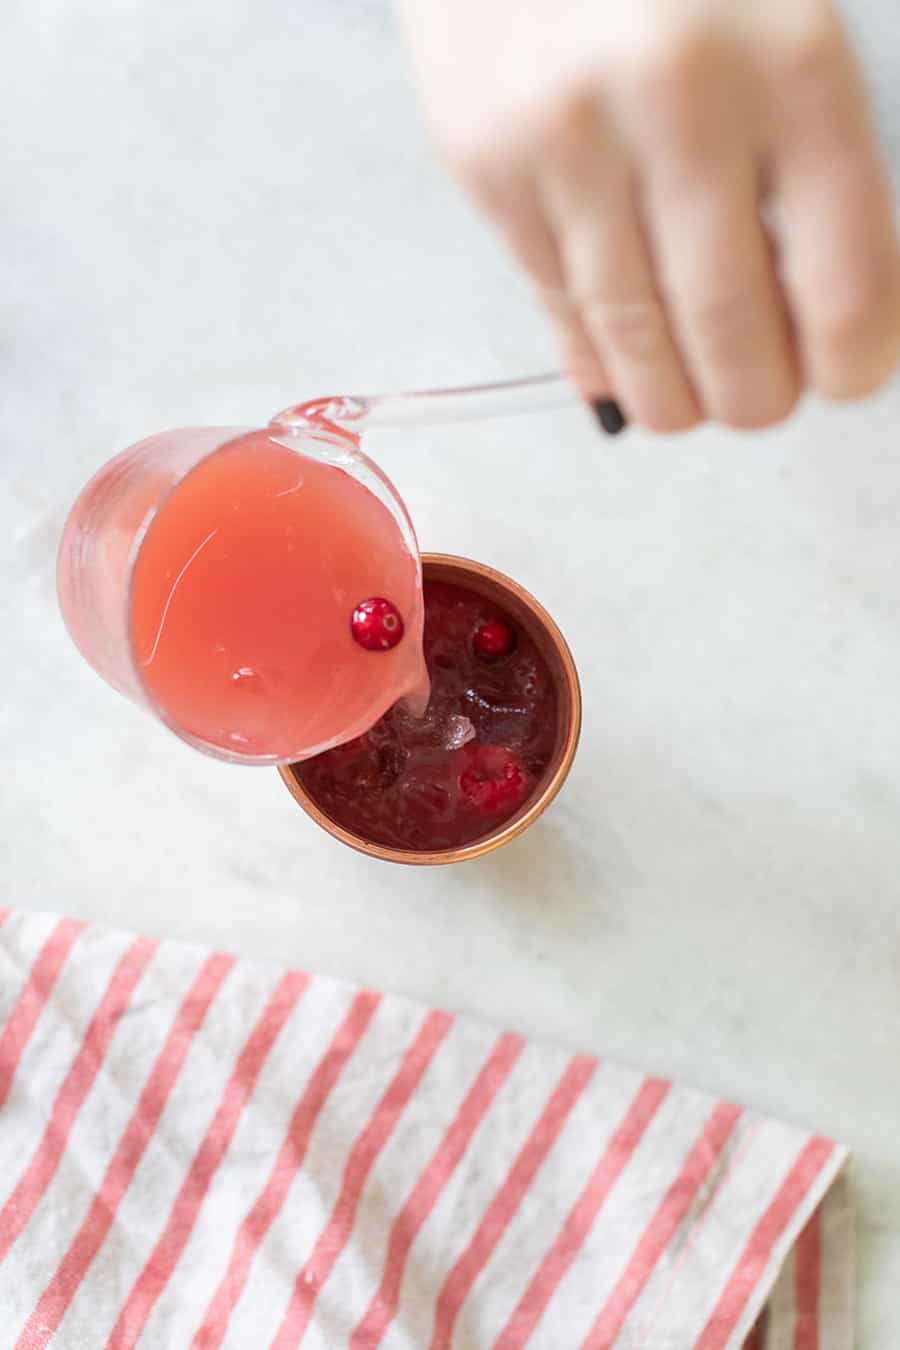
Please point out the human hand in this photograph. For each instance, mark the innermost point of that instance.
(631, 154)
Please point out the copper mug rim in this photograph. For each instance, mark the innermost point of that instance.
(449, 567)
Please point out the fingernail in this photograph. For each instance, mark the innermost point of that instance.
(610, 416)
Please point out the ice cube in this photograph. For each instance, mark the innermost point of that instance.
(428, 730)
(503, 721)
(410, 730)
(458, 731)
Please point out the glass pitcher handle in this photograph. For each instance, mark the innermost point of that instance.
(358, 413)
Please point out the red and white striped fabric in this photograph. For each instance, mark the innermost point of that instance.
(198, 1151)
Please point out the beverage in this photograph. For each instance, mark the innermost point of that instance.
(260, 592)
(239, 598)
(477, 756)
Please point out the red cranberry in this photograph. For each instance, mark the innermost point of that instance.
(376, 624)
(493, 639)
(494, 779)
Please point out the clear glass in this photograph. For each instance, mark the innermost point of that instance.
(105, 538)
(469, 403)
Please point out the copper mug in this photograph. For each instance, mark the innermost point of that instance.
(537, 623)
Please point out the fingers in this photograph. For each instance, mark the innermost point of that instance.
(510, 198)
(694, 128)
(634, 199)
(841, 259)
(580, 358)
(726, 303)
(611, 291)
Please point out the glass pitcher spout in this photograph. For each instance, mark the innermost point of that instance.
(357, 413)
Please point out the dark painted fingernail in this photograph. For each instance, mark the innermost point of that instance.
(610, 416)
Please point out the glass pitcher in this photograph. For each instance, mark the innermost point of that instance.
(291, 530)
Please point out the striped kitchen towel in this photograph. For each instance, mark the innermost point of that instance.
(198, 1151)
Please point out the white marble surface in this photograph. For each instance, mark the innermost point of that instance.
(211, 211)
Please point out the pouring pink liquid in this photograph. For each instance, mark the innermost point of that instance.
(260, 591)
(215, 576)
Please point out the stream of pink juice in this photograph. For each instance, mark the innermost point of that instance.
(242, 596)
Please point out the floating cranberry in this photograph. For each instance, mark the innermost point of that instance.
(494, 779)
(493, 640)
(376, 624)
